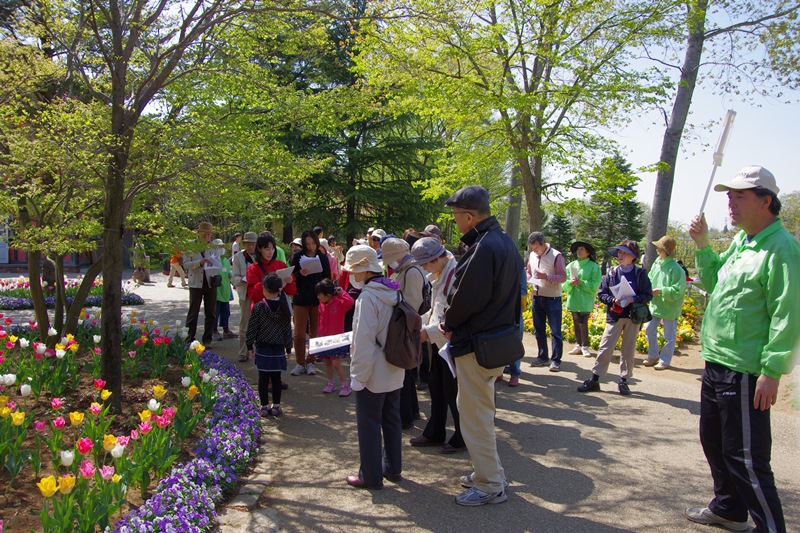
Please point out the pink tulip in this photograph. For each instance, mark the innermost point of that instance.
(85, 445)
(39, 425)
(132, 354)
(98, 351)
(106, 472)
(99, 384)
(95, 408)
(87, 469)
(59, 422)
(123, 441)
(169, 412)
(162, 421)
(56, 403)
(12, 405)
(134, 435)
(145, 428)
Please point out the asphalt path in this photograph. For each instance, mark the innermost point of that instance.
(597, 462)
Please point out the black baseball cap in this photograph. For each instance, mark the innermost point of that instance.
(472, 198)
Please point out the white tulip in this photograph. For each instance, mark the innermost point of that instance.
(52, 332)
(186, 381)
(24, 343)
(80, 321)
(41, 348)
(178, 323)
(60, 354)
(96, 339)
(117, 451)
(214, 372)
(67, 457)
(193, 345)
(153, 404)
(9, 379)
(64, 341)
(154, 323)
(25, 390)
(206, 377)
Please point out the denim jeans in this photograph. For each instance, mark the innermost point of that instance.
(670, 334)
(549, 309)
(223, 315)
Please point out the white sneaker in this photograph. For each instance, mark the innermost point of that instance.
(576, 350)
(585, 351)
(661, 366)
(311, 369)
(468, 481)
(298, 369)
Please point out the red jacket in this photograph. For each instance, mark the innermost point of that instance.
(331, 314)
(255, 275)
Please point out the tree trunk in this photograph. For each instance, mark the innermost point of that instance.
(659, 217)
(111, 306)
(514, 209)
(35, 277)
(532, 185)
(61, 295)
(74, 312)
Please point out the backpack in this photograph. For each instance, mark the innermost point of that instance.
(425, 306)
(403, 345)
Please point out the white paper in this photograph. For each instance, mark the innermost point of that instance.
(284, 273)
(312, 264)
(212, 255)
(321, 344)
(623, 290)
(444, 353)
(573, 271)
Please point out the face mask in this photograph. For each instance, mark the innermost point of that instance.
(394, 264)
(356, 284)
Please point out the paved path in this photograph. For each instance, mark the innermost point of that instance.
(595, 463)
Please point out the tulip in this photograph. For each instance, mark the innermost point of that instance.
(59, 422)
(116, 478)
(24, 343)
(206, 377)
(213, 372)
(67, 457)
(104, 394)
(60, 354)
(13, 339)
(145, 415)
(76, 418)
(109, 441)
(169, 412)
(145, 428)
(52, 332)
(39, 425)
(9, 379)
(199, 349)
(41, 348)
(5, 412)
(95, 408)
(18, 418)
(96, 339)
(85, 445)
(117, 450)
(186, 381)
(87, 469)
(67, 483)
(159, 391)
(74, 348)
(106, 472)
(48, 486)
(99, 384)
(64, 341)
(3, 401)
(25, 390)
(134, 435)
(56, 403)
(12, 405)
(123, 440)
(193, 391)
(162, 421)
(153, 404)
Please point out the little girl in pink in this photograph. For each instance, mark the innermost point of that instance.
(334, 303)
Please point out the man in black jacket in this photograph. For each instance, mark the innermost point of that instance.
(484, 296)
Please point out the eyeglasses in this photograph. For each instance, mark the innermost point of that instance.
(376, 238)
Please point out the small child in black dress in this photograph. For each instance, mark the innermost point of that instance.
(269, 341)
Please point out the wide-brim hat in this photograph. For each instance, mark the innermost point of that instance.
(750, 178)
(362, 258)
(426, 250)
(297, 241)
(250, 236)
(432, 230)
(205, 226)
(218, 243)
(666, 243)
(628, 247)
(589, 248)
(323, 243)
(394, 249)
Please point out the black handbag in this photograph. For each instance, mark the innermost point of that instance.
(640, 313)
(499, 347)
(215, 281)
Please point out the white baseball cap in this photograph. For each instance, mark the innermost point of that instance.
(750, 178)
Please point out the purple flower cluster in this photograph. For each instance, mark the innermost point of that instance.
(185, 499)
(9, 302)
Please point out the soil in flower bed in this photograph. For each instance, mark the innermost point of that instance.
(21, 504)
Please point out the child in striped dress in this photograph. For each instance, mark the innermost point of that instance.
(269, 341)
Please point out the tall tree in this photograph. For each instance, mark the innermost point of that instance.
(522, 82)
(740, 29)
(559, 231)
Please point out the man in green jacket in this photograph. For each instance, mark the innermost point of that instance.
(669, 283)
(749, 335)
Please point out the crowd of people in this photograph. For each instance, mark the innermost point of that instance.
(475, 300)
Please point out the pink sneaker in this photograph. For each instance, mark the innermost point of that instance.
(329, 387)
(345, 390)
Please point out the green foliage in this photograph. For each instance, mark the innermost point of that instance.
(559, 232)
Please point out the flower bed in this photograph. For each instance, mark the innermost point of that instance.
(17, 303)
(15, 294)
(185, 500)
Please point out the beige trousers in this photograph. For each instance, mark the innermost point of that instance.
(244, 305)
(629, 332)
(477, 409)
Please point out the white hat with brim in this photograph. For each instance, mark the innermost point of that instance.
(297, 241)
(750, 178)
(394, 249)
(362, 259)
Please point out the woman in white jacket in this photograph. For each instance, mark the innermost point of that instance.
(374, 380)
(430, 254)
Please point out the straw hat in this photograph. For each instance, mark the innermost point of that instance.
(205, 226)
(666, 243)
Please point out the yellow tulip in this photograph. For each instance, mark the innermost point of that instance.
(48, 485)
(193, 391)
(109, 441)
(67, 483)
(70, 337)
(17, 418)
(74, 347)
(145, 415)
(4, 412)
(76, 418)
(116, 478)
(3, 401)
(12, 339)
(59, 346)
(159, 391)
(199, 348)
(104, 394)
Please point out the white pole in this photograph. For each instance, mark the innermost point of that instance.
(727, 124)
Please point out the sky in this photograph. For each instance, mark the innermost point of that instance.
(766, 135)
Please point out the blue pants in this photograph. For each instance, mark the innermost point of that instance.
(223, 314)
(670, 335)
(378, 413)
(548, 308)
(737, 441)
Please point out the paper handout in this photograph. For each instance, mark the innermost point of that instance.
(321, 344)
(623, 290)
(284, 273)
(311, 264)
(444, 353)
